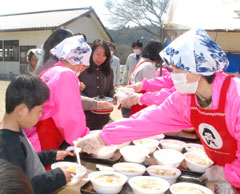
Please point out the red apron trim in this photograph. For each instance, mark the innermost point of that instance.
(212, 130)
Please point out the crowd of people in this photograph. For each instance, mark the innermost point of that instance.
(59, 102)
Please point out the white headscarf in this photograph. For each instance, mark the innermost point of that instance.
(74, 49)
(37, 52)
(196, 52)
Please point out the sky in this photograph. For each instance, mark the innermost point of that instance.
(22, 6)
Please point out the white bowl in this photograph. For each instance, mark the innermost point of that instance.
(105, 152)
(134, 154)
(188, 188)
(169, 174)
(123, 145)
(194, 147)
(148, 184)
(79, 170)
(158, 137)
(172, 144)
(148, 143)
(106, 182)
(197, 162)
(168, 157)
(129, 169)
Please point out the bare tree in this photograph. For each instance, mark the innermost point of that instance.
(146, 14)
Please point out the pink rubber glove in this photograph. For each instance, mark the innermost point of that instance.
(137, 87)
(214, 174)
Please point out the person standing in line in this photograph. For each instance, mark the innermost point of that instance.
(131, 62)
(115, 65)
(33, 56)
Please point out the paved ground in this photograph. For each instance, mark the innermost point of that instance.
(115, 115)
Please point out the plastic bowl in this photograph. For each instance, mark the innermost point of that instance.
(189, 188)
(123, 145)
(197, 162)
(168, 157)
(169, 174)
(172, 144)
(148, 184)
(194, 147)
(105, 152)
(158, 137)
(129, 169)
(80, 170)
(133, 153)
(148, 143)
(106, 182)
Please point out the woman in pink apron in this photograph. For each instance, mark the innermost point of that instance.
(206, 98)
(63, 118)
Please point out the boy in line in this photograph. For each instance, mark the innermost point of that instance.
(25, 97)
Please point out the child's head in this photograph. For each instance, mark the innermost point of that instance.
(13, 180)
(25, 96)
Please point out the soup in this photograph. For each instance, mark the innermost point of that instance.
(188, 190)
(108, 179)
(200, 160)
(127, 168)
(148, 184)
(163, 172)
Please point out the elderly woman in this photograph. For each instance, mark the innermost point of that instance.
(63, 118)
(206, 98)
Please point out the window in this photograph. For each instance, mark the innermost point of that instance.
(1, 50)
(11, 50)
(23, 53)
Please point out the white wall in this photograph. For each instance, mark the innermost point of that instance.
(25, 38)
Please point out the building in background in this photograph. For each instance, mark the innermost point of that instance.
(24, 31)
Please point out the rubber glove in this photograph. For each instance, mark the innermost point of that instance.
(224, 187)
(137, 87)
(214, 174)
(89, 143)
(133, 99)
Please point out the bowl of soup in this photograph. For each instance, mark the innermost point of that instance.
(148, 184)
(172, 144)
(107, 182)
(105, 152)
(168, 157)
(79, 171)
(189, 188)
(135, 154)
(197, 162)
(194, 147)
(129, 169)
(167, 173)
(148, 143)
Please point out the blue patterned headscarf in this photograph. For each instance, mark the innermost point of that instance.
(196, 52)
(74, 49)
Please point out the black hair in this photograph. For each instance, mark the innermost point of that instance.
(30, 56)
(84, 36)
(13, 180)
(110, 44)
(210, 78)
(105, 67)
(54, 39)
(28, 89)
(137, 43)
(206, 130)
(151, 51)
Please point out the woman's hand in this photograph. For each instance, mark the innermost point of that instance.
(68, 174)
(137, 87)
(82, 86)
(62, 154)
(104, 105)
(215, 174)
(90, 143)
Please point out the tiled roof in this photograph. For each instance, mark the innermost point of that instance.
(40, 20)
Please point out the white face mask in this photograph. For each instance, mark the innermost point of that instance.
(111, 53)
(181, 84)
(137, 51)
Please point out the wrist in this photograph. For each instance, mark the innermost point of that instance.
(100, 140)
